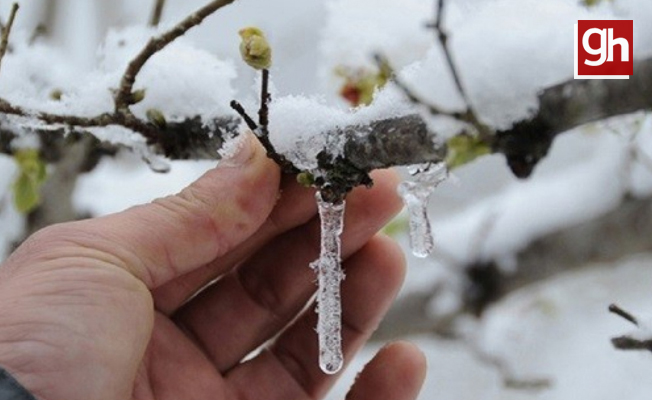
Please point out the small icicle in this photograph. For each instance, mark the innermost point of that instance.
(329, 271)
(415, 195)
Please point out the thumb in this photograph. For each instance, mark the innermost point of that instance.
(174, 235)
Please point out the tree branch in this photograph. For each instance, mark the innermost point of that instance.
(627, 342)
(384, 64)
(627, 316)
(469, 115)
(6, 31)
(129, 121)
(159, 5)
(568, 105)
(543, 259)
(190, 139)
(407, 140)
(123, 98)
(442, 37)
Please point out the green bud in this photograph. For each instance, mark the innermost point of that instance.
(31, 176)
(56, 94)
(156, 117)
(305, 179)
(254, 48)
(137, 96)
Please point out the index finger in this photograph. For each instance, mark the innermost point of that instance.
(172, 236)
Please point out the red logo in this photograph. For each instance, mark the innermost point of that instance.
(604, 49)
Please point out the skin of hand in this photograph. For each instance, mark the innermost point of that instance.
(106, 308)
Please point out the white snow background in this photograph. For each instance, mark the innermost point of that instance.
(506, 50)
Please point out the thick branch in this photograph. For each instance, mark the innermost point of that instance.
(629, 343)
(192, 138)
(74, 122)
(561, 108)
(568, 105)
(391, 142)
(552, 254)
(581, 246)
(123, 97)
(407, 140)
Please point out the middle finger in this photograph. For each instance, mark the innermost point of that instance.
(254, 302)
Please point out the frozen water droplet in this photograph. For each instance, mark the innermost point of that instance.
(415, 195)
(330, 275)
(155, 162)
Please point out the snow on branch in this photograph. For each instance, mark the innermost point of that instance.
(404, 140)
(542, 259)
(568, 105)
(123, 98)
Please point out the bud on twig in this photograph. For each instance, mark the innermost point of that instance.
(254, 48)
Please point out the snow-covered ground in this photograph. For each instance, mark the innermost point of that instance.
(507, 50)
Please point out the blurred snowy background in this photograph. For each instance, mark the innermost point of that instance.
(554, 329)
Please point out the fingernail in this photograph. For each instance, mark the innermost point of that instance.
(238, 151)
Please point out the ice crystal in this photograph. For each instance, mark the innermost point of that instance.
(415, 194)
(329, 271)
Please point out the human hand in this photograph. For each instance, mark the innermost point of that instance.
(104, 309)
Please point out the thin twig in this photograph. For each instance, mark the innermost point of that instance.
(157, 12)
(261, 129)
(442, 36)
(467, 116)
(440, 14)
(628, 342)
(265, 99)
(123, 96)
(243, 113)
(622, 313)
(470, 115)
(4, 42)
(384, 64)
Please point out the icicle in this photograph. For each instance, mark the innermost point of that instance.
(329, 271)
(415, 195)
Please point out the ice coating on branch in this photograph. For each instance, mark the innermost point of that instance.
(329, 276)
(415, 194)
(301, 127)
